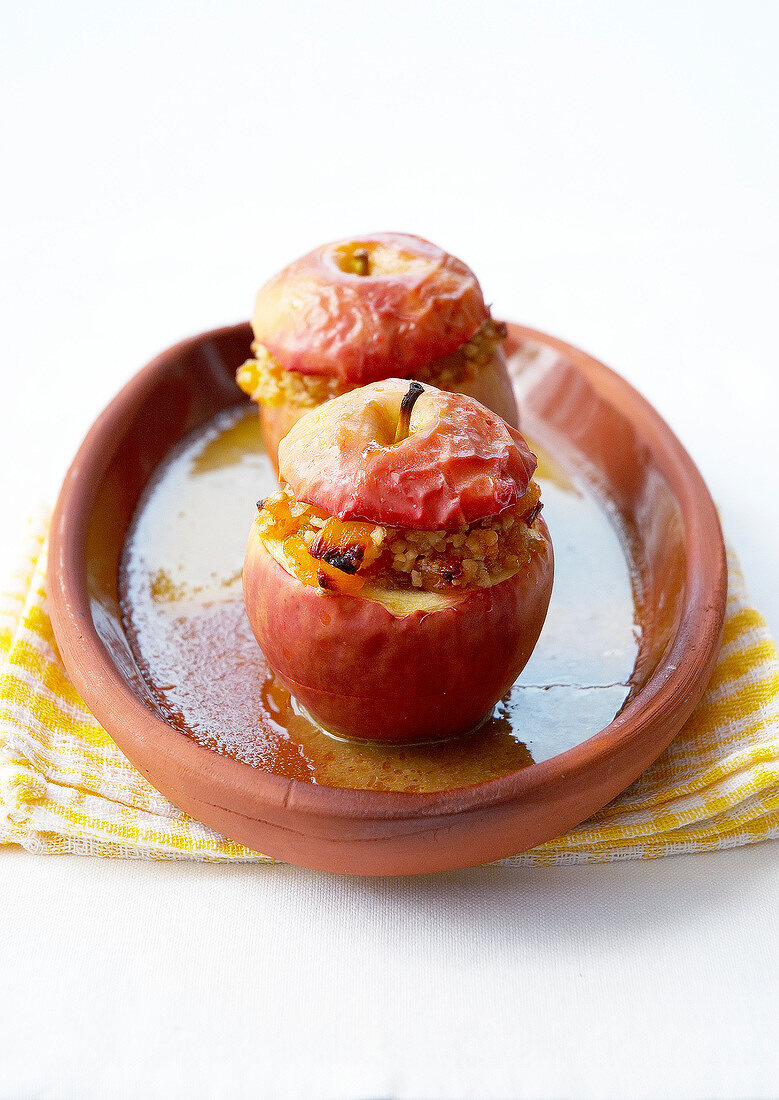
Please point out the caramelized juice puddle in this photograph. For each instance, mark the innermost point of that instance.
(184, 615)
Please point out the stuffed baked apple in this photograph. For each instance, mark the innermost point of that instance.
(358, 311)
(398, 581)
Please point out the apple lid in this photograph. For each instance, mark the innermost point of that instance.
(459, 463)
(414, 304)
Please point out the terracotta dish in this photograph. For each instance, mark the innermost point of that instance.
(565, 396)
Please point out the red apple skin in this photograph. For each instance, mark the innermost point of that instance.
(276, 421)
(490, 386)
(365, 673)
(459, 464)
(318, 316)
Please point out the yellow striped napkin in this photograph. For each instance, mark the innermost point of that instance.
(66, 787)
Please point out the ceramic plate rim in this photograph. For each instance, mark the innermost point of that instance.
(98, 679)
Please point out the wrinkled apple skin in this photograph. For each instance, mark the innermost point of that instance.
(491, 386)
(318, 318)
(363, 672)
(459, 464)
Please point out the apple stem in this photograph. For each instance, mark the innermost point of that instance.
(361, 261)
(406, 407)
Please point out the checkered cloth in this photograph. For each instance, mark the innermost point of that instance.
(66, 787)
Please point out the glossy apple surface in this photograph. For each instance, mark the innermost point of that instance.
(410, 666)
(460, 462)
(490, 385)
(413, 304)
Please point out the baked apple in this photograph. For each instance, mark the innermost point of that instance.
(358, 311)
(399, 579)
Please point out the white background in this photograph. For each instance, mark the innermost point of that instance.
(610, 170)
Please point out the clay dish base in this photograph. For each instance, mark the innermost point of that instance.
(582, 412)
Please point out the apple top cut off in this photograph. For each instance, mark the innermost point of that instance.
(366, 309)
(406, 456)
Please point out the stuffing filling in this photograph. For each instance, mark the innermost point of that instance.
(268, 383)
(339, 556)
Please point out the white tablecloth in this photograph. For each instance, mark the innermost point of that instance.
(639, 979)
(610, 172)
